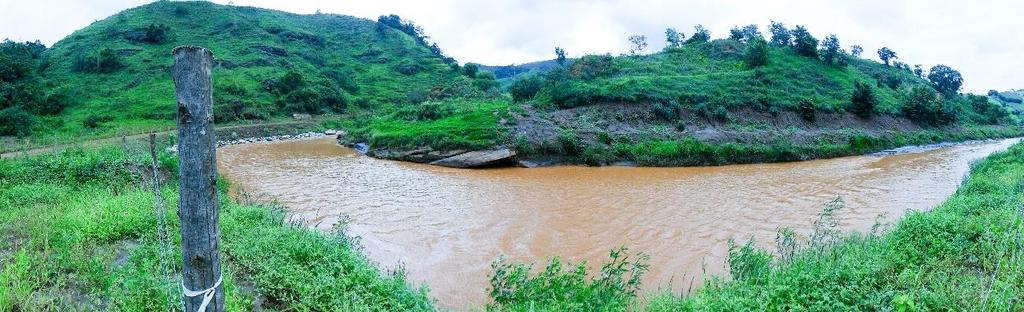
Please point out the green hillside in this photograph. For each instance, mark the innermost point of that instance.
(712, 101)
(1012, 100)
(114, 75)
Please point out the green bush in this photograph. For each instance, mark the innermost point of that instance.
(525, 87)
(667, 111)
(863, 101)
(568, 287)
(94, 121)
(756, 54)
(16, 121)
(593, 66)
(923, 105)
(807, 109)
(106, 61)
(485, 81)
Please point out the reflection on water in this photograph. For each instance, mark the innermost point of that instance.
(447, 225)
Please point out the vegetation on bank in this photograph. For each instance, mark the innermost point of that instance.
(78, 232)
(449, 124)
(693, 152)
(966, 254)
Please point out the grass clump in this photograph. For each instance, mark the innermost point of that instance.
(567, 287)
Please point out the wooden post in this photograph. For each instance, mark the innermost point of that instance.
(197, 205)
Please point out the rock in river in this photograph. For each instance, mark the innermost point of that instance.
(475, 159)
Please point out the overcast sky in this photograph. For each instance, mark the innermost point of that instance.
(978, 37)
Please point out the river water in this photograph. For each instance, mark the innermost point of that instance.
(446, 226)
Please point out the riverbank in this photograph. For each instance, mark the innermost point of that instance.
(966, 254)
(535, 139)
(78, 233)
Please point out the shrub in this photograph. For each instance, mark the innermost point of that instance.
(565, 287)
(863, 100)
(289, 82)
(667, 111)
(747, 262)
(315, 100)
(756, 54)
(16, 121)
(525, 87)
(408, 68)
(923, 105)
(807, 109)
(343, 80)
(485, 81)
(107, 61)
(94, 121)
(592, 66)
(988, 112)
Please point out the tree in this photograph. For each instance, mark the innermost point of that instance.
(924, 106)
(16, 60)
(470, 69)
(673, 37)
(804, 43)
(637, 44)
(757, 53)
(560, 56)
(780, 34)
(745, 34)
(946, 79)
(856, 50)
(863, 100)
(886, 55)
(831, 51)
(918, 71)
(485, 81)
(700, 34)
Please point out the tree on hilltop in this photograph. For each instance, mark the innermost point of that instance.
(886, 55)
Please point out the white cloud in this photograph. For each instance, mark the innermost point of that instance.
(975, 37)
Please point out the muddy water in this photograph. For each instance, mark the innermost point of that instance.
(446, 226)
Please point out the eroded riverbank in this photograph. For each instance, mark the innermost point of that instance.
(447, 225)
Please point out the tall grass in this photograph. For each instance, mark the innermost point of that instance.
(78, 232)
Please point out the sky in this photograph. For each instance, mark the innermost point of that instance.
(978, 38)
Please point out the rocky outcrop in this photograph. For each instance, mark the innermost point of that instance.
(476, 159)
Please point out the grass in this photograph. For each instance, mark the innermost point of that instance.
(79, 233)
(445, 125)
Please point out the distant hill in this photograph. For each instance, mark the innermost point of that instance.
(1013, 100)
(513, 70)
(116, 71)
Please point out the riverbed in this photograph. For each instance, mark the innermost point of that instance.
(446, 226)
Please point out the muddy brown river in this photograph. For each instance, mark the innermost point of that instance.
(446, 226)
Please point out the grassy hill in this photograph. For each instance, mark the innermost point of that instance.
(1012, 100)
(702, 102)
(705, 103)
(114, 75)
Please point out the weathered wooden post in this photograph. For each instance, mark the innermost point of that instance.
(197, 205)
